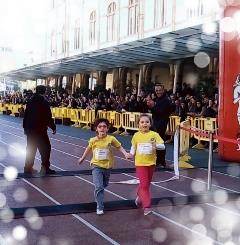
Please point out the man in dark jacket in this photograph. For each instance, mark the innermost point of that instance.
(161, 109)
(37, 119)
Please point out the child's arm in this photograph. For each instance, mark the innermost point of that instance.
(132, 151)
(127, 155)
(160, 146)
(80, 160)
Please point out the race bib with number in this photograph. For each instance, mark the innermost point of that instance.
(101, 154)
(145, 148)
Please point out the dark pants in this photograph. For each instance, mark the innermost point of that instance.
(40, 142)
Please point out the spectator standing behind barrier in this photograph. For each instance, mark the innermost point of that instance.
(37, 119)
(102, 160)
(161, 110)
(144, 145)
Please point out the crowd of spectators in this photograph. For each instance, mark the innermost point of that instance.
(184, 103)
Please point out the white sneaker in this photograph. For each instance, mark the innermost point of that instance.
(99, 212)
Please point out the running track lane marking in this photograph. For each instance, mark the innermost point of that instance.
(66, 142)
(155, 213)
(109, 239)
(211, 205)
(181, 194)
(57, 167)
(69, 154)
(232, 176)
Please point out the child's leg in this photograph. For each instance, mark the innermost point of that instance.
(150, 172)
(106, 176)
(145, 173)
(97, 174)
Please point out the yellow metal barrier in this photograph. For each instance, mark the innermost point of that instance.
(174, 121)
(91, 116)
(115, 118)
(184, 145)
(53, 110)
(206, 125)
(57, 113)
(61, 113)
(15, 110)
(8, 109)
(74, 117)
(130, 121)
(102, 114)
(2, 107)
(84, 118)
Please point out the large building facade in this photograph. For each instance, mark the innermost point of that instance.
(80, 27)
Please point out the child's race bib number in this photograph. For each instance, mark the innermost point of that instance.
(101, 154)
(145, 148)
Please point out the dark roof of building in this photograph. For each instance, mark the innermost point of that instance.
(165, 48)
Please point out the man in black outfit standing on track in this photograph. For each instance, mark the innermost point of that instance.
(161, 110)
(37, 119)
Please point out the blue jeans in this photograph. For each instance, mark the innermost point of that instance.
(100, 180)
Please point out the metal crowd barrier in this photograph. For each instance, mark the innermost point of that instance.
(125, 121)
(205, 125)
(115, 118)
(184, 143)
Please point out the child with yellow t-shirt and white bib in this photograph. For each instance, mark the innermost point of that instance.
(144, 145)
(102, 160)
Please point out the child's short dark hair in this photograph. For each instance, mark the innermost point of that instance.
(100, 120)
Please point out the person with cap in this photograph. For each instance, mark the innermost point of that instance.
(37, 119)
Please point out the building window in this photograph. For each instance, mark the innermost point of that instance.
(77, 34)
(111, 21)
(64, 41)
(159, 13)
(92, 28)
(133, 17)
(195, 9)
(53, 43)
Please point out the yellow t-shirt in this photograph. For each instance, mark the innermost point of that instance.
(145, 150)
(101, 149)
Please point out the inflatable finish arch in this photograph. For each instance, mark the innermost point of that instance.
(229, 85)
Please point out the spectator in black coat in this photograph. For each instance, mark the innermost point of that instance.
(161, 109)
(37, 119)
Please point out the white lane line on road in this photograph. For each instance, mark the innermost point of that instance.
(220, 173)
(93, 228)
(181, 175)
(65, 135)
(152, 183)
(182, 194)
(174, 222)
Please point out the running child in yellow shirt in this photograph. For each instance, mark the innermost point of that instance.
(102, 159)
(144, 145)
